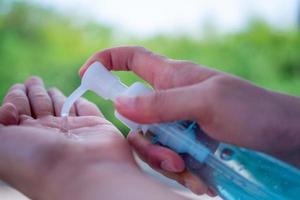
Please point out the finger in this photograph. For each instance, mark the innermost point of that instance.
(188, 180)
(87, 108)
(8, 114)
(58, 100)
(17, 96)
(166, 162)
(39, 99)
(211, 192)
(159, 71)
(156, 156)
(184, 103)
(23, 118)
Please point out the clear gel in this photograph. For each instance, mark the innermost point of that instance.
(71, 100)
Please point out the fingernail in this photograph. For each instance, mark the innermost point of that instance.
(210, 192)
(168, 166)
(124, 101)
(193, 188)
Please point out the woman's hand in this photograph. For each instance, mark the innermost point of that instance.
(48, 157)
(228, 109)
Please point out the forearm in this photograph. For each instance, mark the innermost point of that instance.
(113, 181)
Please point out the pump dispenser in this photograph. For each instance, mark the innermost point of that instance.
(233, 172)
(108, 87)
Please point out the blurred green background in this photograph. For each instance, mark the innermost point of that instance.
(39, 41)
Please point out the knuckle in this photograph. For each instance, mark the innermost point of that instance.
(34, 80)
(217, 93)
(54, 93)
(43, 112)
(43, 106)
(17, 87)
(220, 86)
(82, 101)
(157, 104)
(9, 108)
(96, 55)
(146, 103)
(15, 95)
(38, 93)
(135, 50)
(53, 90)
(139, 103)
(83, 104)
(132, 138)
(98, 121)
(158, 99)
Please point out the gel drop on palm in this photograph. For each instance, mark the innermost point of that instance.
(234, 173)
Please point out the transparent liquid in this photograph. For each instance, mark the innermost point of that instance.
(71, 100)
(66, 129)
(65, 125)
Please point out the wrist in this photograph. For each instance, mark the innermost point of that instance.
(109, 181)
(286, 126)
(86, 181)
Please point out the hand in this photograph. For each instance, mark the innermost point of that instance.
(228, 109)
(43, 162)
(34, 151)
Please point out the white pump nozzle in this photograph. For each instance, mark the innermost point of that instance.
(101, 81)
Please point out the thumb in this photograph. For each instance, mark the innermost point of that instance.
(183, 103)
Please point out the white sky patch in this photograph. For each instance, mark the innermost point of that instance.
(160, 16)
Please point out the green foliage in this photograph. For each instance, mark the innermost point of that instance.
(39, 41)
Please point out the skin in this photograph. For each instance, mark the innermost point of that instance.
(228, 109)
(92, 161)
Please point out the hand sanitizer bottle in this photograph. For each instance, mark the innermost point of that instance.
(234, 173)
